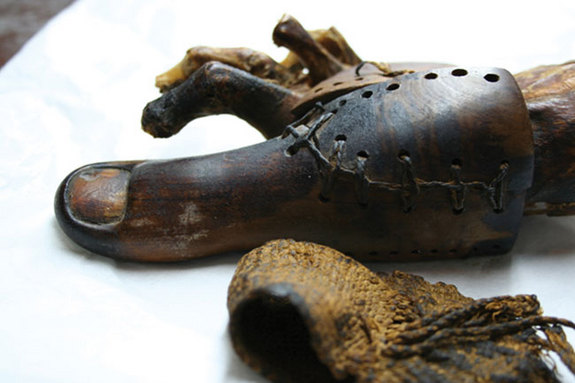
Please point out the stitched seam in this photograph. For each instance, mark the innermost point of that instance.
(331, 169)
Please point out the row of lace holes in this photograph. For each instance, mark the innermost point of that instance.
(489, 77)
(459, 72)
(395, 253)
(390, 88)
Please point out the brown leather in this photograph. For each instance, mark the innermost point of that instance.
(550, 95)
(301, 312)
(358, 76)
(446, 153)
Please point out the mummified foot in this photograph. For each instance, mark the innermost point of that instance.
(330, 180)
(434, 163)
(250, 84)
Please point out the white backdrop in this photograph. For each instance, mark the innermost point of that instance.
(74, 96)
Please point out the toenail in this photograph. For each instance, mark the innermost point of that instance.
(98, 195)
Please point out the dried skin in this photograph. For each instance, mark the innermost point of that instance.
(248, 60)
(313, 56)
(290, 299)
(549, 92)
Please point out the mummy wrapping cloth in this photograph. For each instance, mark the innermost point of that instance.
(300, 312)
(381, 161)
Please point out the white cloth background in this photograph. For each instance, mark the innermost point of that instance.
(74, 96)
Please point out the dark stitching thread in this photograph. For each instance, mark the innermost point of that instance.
(498, 188)
(409, 186)
(361, 181)
(331, 169)
(290, 129)
(358, 68)
(457, 194)
(305, 140)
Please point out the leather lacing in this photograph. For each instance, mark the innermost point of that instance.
(331, 168)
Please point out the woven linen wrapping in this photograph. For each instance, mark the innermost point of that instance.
(301, 312)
